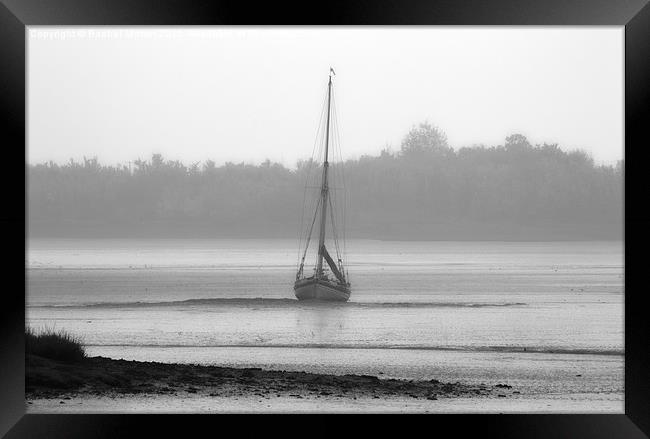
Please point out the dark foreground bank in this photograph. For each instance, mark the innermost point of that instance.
(47, 378)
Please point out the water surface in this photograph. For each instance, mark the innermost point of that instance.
(547, 317)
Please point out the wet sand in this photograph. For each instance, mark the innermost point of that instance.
(98, 377)
(284, 403)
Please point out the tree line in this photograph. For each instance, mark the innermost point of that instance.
(425, 190)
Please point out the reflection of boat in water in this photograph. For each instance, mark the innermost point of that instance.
(324, 284)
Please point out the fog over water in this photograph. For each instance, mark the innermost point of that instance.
(545, 318)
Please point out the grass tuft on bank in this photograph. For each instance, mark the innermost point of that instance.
(57, 345)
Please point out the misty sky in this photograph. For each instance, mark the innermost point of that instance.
(247, 94)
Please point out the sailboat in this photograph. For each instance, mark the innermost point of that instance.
(323, 284)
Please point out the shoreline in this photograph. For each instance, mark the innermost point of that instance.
(100, 376)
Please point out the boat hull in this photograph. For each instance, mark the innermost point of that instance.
(321, 290)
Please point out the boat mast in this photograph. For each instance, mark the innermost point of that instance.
(324, 187)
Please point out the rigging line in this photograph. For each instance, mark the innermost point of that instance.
(335, 229)
(336, 149)
(310, 230)
(336, 243)
(309, 167)
(333, 198)
(314, 175)
(336, 146)
(346, 204)
(311, 175)
(342, 174)
(316, 138)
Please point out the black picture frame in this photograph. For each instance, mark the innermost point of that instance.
(15, 15)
